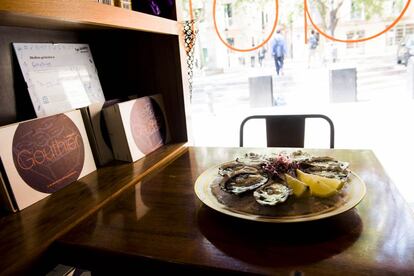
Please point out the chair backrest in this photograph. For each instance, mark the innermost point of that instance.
(287, 130)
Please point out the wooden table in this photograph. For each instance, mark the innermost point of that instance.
(160, 225)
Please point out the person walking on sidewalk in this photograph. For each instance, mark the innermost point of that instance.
(279, 51)
(261, 54)
(313, 45)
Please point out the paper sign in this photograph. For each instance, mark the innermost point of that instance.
(59, 77)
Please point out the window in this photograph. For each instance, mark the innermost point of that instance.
(397, 6)
(409, 29)
(220, 105)
(228, 14)
(356, 10)
(396, 35)
(355, 35)
(399, 34)
(263, 21)
(390, 37)
(230, 40)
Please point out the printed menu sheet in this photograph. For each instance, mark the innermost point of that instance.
(60, 77)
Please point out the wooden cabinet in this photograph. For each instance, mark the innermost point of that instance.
(135, 54)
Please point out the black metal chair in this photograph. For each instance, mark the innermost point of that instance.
(287, 130)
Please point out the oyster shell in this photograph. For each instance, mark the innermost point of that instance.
(326, 167)
(272, 194)
(242, 180)
(250, 162)
(300, 156)
(233, 167)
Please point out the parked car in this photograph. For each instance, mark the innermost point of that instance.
(405, 50)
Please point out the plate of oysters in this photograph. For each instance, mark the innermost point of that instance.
(281, 188)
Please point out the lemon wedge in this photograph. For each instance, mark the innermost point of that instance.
(298, 187)
(320, 186)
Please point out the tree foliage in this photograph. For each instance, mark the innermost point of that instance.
(370, 7)
(329, 10)
(257, 3)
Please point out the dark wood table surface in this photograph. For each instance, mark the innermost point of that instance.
(160, 225)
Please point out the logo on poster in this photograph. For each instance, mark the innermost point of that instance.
(48, 153)
(145, 127)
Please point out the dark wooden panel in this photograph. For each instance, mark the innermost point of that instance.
(25, 236)
(124, 62)
(168, 80)
(160, 224)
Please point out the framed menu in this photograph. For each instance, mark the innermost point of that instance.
(59, 77)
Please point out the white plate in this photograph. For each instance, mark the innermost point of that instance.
(355, 193)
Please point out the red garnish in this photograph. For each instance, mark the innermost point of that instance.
(279, 165)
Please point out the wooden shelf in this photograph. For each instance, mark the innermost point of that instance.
(80, 14)
(149, 51)
(26, 235)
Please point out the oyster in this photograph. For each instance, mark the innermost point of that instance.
(233, 167)
(271, 194)
(242, 180)
(326, 167)
(299, 156)
(250, 162)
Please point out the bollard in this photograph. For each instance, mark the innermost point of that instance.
(261, 91)
(410, 78)
(343, 84)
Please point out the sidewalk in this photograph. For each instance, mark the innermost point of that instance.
(377, 81)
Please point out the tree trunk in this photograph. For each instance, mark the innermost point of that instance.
(333, 16)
